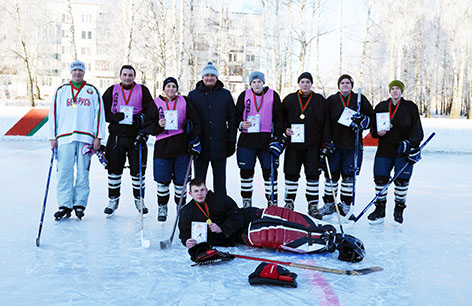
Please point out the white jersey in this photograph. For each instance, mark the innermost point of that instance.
(76, 115)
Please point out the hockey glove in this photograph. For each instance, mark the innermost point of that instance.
(195, 147)
(414, 156)
(359, 121)
(102, 156)
(276, 147)
(203, 254)
(230, 148)
(327, 151)
(140, 139)
(138, 120)
(403, 147)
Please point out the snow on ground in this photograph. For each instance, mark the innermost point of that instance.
(99, 261)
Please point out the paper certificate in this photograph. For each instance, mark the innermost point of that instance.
(383, 121)
(255, 124)
(172, 119)
(345, 118)
(298, 133)
(128, 111)
(199, 231)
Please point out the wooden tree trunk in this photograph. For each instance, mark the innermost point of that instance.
(73, 45)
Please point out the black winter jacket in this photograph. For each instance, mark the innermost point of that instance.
(217, 112)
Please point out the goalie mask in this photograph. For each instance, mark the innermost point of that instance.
(350, 248)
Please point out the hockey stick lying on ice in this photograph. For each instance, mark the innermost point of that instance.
(166, 243)
(144, 242)
(390, 181)
(53, 155)
(223, 256)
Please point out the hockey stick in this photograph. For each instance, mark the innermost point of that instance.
(391, 181)
(53, 155)
(144, 242)
(356, 156)
(314, 268)
(334, 195)
(166, 243)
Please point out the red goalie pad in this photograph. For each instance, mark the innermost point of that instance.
(283, 229)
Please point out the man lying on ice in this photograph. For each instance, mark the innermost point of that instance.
(273, 227)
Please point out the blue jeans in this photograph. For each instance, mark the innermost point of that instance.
(70, 194)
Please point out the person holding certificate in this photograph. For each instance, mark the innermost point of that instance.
(342, 107)
(213, 217)
(398, 128)
(258, 114)
(176, 127)
(305, 117)
(126, 106)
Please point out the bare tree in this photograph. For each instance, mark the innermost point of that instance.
(73, 45)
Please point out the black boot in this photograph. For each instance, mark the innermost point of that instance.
(79, 211)
(63, 212)
(398, 211)
(379, 213)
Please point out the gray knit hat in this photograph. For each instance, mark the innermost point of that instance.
(77, 64)
(210, 69)
(256, 75)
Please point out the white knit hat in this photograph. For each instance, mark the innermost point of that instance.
(77, 64)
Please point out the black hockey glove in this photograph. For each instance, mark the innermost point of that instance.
(140, 139)
(359, 121)
(327, 151)
(414, 156)
(195, 147)
(277, 147)
(138, 120)
(203, 254)
(403, 147)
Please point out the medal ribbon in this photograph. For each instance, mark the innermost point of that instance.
(255, 101)
(303, 107)
(395, 110)
(175, 105)
(74, 97)
(130, 92)
(348, 100)
(207, 214)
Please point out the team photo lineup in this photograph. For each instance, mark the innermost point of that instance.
(324, 136)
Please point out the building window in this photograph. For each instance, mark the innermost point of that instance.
(84, 34)
(89, 34)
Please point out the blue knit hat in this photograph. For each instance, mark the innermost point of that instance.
(256, 75)
(77, 64)
(210, 69)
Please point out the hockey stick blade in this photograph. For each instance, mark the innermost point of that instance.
(165, 243)
(144, 242)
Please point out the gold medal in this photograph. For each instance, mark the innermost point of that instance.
(74, 105)
(391, 125)
(302, 116)
(208, 221)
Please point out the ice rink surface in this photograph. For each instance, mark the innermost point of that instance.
(99, 261)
